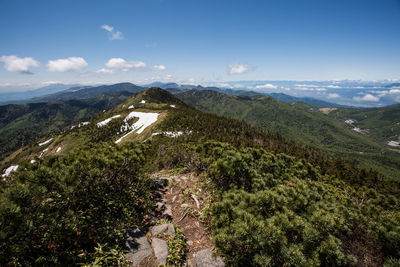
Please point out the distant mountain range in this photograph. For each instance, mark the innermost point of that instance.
(50, 94)
(23, 96)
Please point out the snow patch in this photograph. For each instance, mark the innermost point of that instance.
(361, 131)
(46, 142)
(44, 151)
(131, 107)
(173, 134)
(394, 143)
(145, 120)
(172, 106)
(350, 121)
(9, 170)
(58, 149)
(80, 124)
(143, 102)
(104, 123)
(33, 161)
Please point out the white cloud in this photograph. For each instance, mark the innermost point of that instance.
(311, 89)
(266, 86)
(51, 82)
(159, 67)
(367, 97)
(66, 64)
(333, 96)
(112, 34)
(105, 71)
(107, 27)
(306, 85)
(120, 63)
(238, 68)
(116, 35)
(16, 64)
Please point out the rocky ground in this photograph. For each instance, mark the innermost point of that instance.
(176, 234)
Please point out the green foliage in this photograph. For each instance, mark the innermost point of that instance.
(104, 256)
(276, 210)
(177, 248)
(63, 206)
(21, 125)
(308, 125)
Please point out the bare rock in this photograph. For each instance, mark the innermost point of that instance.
(205, 258)
(160, 248)
(137, 245)
(168, 211)
(167, 228)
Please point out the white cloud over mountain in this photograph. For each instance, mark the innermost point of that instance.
(333, 96)
(238, 68)
(16, 64)
(120, 63)
(159, 67)
(266, 86)
(66, 64)
(367, 97)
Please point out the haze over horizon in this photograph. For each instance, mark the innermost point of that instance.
(88, 42)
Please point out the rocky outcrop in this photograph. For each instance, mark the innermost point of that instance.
(137, 245)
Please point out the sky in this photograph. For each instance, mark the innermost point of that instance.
(193, 41)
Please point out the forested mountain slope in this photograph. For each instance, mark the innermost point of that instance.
(23, 124)
(270, 201)
(303, 123)
(383, 124)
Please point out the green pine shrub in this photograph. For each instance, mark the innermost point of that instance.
(57, 211)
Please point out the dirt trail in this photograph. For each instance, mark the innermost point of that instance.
(182, 201)
(186, 200)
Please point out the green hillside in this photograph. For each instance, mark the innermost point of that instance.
(24, 124)
(270, 201)
(301, 122)
(383, 124)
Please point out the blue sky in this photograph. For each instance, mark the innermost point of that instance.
(197, 41)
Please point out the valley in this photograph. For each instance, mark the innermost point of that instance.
(97, 179)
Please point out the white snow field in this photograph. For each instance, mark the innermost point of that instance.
(46, 142)
(10, 169)
(145, 120)
(143, 102)
(131, 107)
(104, 123)
(394, 143)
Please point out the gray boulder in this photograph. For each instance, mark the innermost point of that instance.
(137, 245)
(204, 258)
(160, 248)
(167, 228)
